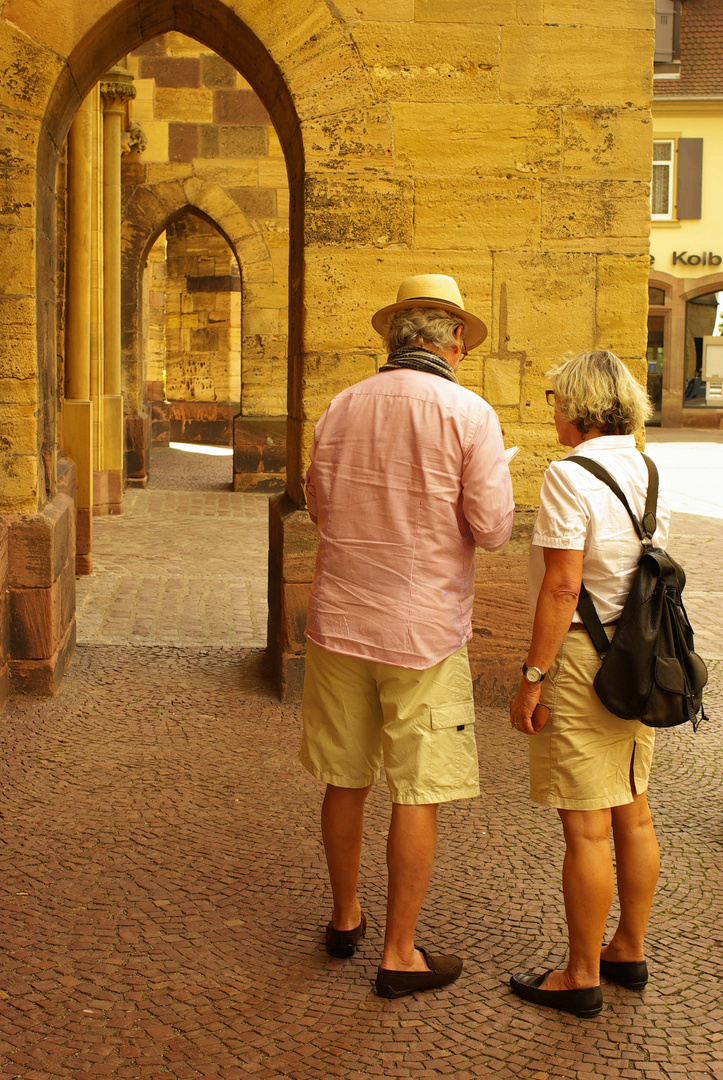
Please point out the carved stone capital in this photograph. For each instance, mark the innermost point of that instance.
(116, 89)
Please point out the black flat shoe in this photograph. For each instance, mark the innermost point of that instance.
(443, 970)
(632, 974)
(343, 943)
(585, 1003)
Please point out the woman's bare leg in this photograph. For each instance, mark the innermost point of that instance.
(587, 885)
(637, 860)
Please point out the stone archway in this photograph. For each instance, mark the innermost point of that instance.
(152, 208)
(128, 25)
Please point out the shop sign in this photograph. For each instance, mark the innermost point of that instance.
(706, 259)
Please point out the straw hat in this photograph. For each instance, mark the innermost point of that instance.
(432, 291)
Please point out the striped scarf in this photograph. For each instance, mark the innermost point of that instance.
(419, 360)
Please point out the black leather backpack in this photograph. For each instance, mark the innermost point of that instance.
(650, 671)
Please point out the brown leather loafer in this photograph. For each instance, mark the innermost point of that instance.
(632, 974)
(586, 1002)
(442, 971)
(343, 943)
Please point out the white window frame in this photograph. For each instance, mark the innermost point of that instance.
(668, 215)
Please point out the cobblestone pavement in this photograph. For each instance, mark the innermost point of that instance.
(163, 894)
(184, 564)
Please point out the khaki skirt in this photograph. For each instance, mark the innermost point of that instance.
(584, 758)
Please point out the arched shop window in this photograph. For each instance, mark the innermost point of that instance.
(703, 321)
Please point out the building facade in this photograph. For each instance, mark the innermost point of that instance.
(685, 361)
(507, 143)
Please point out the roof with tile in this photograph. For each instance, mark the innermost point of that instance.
(701, 52)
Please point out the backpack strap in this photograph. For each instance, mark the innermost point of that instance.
(645, 530)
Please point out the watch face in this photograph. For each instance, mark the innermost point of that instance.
(532, 674)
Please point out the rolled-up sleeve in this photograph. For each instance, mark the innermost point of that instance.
(564, 515)
(487, 499)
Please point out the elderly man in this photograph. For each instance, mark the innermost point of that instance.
(408, 473)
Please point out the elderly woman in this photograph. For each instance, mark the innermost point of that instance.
(588, 764)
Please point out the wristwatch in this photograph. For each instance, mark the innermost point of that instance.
(533, 674)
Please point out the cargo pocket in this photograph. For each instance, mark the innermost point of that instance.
(453, 758)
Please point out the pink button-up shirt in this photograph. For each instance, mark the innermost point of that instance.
(407, 474)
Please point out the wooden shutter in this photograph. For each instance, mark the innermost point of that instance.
(690, 177)
(664, 30)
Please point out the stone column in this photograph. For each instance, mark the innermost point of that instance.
(77, 407)
(116, 89)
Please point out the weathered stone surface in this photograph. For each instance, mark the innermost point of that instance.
(461, 11)
(595, 215)
(590, 67)
(18, 427)
(325, 85)
(192, 106)
(27, 70)
(377, 10)
(39, 545)
(616, 14)
(35, 620)
(17, 198)
(622, 304)
(365, 210)
(502, 382)
(408, 63)
(43, 677)
(20, 483)
(17, 267)
(227, 173)
(326, 374)
(344, 290)
(354, 137)
(538, 446)
(16, 391)
(477, 214)
(550, 302)
(605, 143)
(484, 140)
(243, 142)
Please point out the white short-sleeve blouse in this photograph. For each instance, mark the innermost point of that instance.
(579, 512)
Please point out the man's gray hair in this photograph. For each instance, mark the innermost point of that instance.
(421, 326)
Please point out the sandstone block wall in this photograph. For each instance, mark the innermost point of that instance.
(506, 143)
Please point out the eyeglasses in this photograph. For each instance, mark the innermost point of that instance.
(550, 397)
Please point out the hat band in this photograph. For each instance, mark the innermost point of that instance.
(433, 299)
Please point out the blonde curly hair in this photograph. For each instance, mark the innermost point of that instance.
(596, 390)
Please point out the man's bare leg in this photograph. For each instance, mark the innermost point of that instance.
(342, 825)
(411, 847)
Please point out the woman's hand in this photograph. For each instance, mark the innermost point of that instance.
(522, 706)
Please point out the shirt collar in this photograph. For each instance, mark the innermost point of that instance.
(602, 444)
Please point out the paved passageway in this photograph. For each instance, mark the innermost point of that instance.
(162, 886)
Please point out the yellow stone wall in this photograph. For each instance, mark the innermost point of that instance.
(203, 326)
(506, 142)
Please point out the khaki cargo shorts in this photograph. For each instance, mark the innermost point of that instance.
(421, 722)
